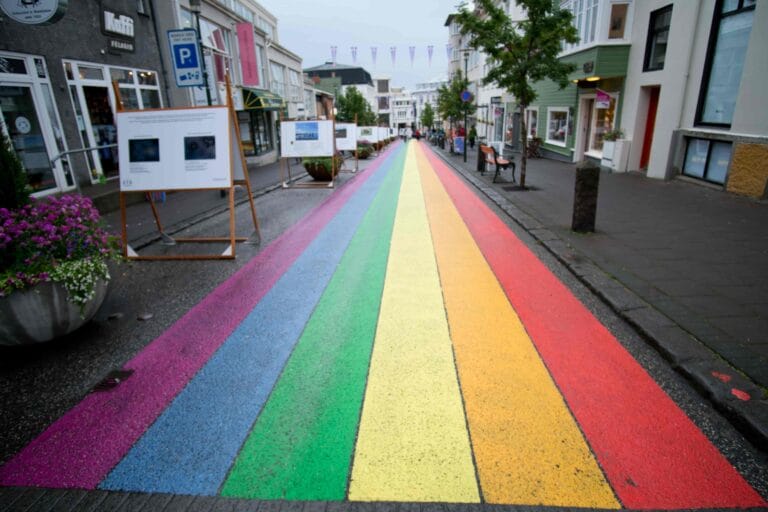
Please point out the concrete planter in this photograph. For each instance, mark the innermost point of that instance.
(616, 154)
(43, 313)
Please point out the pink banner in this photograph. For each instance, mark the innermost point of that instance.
(603, 99)
(247, 54)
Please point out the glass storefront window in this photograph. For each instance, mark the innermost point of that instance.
(89, 73)
(658, 34)
(604, 118)
(13, 66)
(129, 98)
(557, 125)
(707, 160)
(150, 98)
(122, 76)
(725, 65)
(531, 121)
(147, 78)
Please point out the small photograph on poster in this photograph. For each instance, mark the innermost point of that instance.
(200, 148)
(366, 131)
(306, 131)
(144, 150)
(341, 133)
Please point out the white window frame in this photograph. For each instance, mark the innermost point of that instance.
(567, 111)
(528, 122)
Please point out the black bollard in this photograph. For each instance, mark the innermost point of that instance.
(480, 160)
(585, 197)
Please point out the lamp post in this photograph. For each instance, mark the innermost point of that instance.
(465, 52)
(194, 6)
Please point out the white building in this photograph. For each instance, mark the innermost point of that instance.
(694, 101)
(403, 109)
(426, 93)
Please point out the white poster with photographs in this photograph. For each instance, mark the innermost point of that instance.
(174, 149)
(346, 136)
(369, 133)
(306, 138)
(383, 133)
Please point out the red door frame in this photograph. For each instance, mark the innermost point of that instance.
(650, 123)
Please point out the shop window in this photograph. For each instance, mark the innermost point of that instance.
(89, 73)
(531, 122)
(13, 66)
(618, 21)
(557, 125)
(122, 76)
(728, 42)
(707, 160)
(150, 98)
(658, 34)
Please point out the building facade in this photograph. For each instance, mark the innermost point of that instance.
(56, 94)
(425, 94)
(695, 102)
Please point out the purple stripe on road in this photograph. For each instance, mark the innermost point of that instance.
(79, 449)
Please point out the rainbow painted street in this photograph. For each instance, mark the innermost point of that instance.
(400, 343)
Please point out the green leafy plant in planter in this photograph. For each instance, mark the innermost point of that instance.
(613, 135)
(322, 168)
(364, 149)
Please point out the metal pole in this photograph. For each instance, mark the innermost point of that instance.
(466, 78)
(202, 55)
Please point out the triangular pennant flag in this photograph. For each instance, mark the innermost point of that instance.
(430, 49)
(333, 55)
(373, 55)
(353, 51)
(448, 51)
(393, 52)
(412, 53)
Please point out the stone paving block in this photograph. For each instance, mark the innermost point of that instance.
(27, 498)
(57, 499)
(71, 500)
(246, 505)
(91, 501)
(203, 503)
(617, 296)
(648, 320)
(720, 381)
(179, 504)
(135, 501)
(753, 418)
(115, 500)
(8, 496)
(315, 506)
(543, 234)
(677, 346)
(156, 502)
(223, 504)
(338, 506)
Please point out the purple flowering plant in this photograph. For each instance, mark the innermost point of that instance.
(56, 239)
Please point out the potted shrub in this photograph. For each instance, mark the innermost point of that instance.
(609, 142)
(364, 149)
(322, 168)
(53, 268)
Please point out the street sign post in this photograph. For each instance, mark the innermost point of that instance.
(187, 65)
(466, 96)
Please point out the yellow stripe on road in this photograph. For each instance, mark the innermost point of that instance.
(527, 446)
(412, 443)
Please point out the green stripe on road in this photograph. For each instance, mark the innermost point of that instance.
(301, 445)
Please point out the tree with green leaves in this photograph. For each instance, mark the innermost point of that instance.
(521, 53)
(353, 102)
(427, 117)
(449, 103)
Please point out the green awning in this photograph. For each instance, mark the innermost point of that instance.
(262, 99)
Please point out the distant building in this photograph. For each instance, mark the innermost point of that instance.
(426, 93)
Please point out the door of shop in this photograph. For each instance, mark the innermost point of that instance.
(650, 124)
(22, 126)
(103, 131)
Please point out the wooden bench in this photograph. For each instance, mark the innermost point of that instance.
(491, 157)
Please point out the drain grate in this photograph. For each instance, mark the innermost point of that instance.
(112, 380)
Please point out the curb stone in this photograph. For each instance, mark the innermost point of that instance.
(737, 397)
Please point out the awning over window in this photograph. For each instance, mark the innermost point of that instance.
(260, 99)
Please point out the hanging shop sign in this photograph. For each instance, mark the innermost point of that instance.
(603, 99)
(38, 12)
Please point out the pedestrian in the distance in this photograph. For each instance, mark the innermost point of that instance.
(472, 136)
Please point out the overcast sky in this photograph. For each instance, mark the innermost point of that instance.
(310, 27)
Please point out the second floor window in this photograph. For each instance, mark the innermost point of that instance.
(658, 34)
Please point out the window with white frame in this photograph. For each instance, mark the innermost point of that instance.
(278, 78)
(557, 125)
(532, 121)
(584, 20)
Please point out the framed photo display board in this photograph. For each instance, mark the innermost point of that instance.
(306, 138)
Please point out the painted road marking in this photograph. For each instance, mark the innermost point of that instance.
(301, 445)
(652, 454)
(527, 446)
(191, 446)
(413, 443)
(90, 439)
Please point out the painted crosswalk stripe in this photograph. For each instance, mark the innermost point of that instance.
(301, 445)
(527, 447)
(412, 444)
(191, 446)
(650, 451)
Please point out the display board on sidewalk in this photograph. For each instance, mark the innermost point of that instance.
(383, 133)
(176, 149)
(346, 136)
(306, 138)
(369, 133)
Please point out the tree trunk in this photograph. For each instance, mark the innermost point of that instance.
(524, 144)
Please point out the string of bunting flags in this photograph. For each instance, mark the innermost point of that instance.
(412, 52)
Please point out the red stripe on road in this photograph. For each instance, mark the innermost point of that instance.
(652, 453)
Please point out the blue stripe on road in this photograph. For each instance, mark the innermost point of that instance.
(191, 446)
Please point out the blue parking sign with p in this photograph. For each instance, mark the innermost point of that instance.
(186, 57)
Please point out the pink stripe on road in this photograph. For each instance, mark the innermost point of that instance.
(79, 449)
